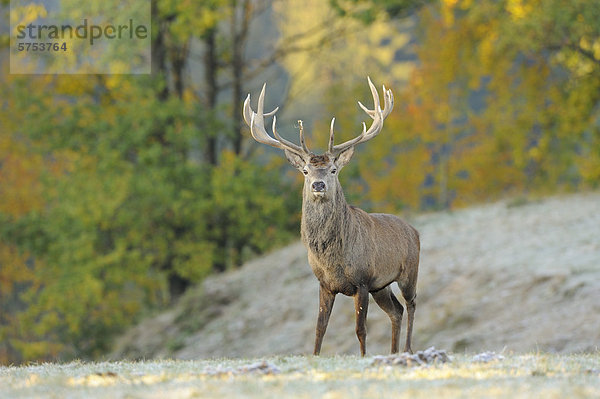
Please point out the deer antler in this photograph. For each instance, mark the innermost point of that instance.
(377, 114)
(256, 122)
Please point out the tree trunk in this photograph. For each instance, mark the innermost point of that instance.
(179, 58)
(210, 79)
(159, 51)
(239, 33)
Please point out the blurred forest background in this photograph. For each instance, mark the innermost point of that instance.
(118, 192)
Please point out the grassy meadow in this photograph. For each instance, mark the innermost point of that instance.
(511, 375)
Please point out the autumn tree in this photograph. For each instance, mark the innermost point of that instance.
(496, 105)
(111, 205)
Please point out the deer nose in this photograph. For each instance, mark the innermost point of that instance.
(318, 186)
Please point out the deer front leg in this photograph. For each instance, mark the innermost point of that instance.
(361, 305)
(326, 299)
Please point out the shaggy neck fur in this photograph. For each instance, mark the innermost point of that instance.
(324, 222)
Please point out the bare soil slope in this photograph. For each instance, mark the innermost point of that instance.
(519, 276)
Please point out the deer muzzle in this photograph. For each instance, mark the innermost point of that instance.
(318, 187)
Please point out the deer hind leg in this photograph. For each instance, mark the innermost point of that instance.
(326, 299)
(409, 294)
(361, 305)
(388, 302)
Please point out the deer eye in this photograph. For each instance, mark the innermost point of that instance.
(305, 171)
(333, 171)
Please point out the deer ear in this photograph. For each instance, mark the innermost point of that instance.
(296, 160)
(344, 157)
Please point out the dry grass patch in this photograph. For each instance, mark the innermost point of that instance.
(514, 376)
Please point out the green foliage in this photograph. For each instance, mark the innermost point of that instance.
(109, 207)
(252, 210)
(190, 19)
(126, 207)
(367, 11)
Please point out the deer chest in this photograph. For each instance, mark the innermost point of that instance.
(336, 276)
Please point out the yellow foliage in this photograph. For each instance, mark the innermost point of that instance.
(448, 13)
(20, 188)
(13, 269)
(75, 85)
(520, 9)
(26, 14)
(595, 47)
(37, 349)
(449, 3)
(590, 167)
(346, 50)
(487, 48)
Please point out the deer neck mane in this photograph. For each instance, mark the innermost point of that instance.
(324, 222)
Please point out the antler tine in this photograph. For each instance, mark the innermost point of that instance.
(256, 122)
(259, 134)
(388, 102)
(247, 111)
(377, 114)
(287, 144)
(375, 95)
(330, 147)
(302, 142)
(336, 149)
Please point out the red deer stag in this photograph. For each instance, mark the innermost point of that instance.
(350, 251)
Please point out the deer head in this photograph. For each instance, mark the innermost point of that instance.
(320, 171)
